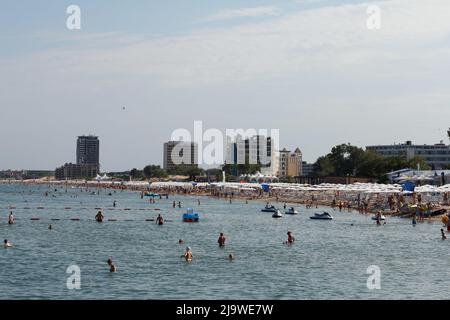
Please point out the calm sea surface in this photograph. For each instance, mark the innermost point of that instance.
(328, 261)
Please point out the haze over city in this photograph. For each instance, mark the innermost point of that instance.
(137, 71)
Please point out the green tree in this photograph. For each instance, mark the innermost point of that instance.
(154, 171)
(136, 174)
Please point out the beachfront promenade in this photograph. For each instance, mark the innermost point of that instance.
(364, 197)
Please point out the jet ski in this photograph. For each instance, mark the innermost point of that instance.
(291, 210)
(277, 214)
(322, 216)
(268, 208)
(382, 218)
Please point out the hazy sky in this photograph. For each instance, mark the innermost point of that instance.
(311, 68)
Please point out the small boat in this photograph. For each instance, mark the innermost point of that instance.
(382, 218)
(190, 216)
(291, 210)
(277, 214)
(435, 213)
(322, 216)
(268, 208)
(147, 194)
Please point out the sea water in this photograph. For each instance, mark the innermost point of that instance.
(329, 259)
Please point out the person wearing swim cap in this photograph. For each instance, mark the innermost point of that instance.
(188, 254)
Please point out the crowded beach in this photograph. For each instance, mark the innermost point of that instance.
(391, 199)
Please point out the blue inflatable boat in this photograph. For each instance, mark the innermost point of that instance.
(190, 216)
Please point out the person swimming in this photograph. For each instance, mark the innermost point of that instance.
(50, 227)
(112, 266)
(188, 254)
(443, 234)
(99, 217)
(6, 244)
(231, 257)
(160, 220)
(221, 240)
(181, 241)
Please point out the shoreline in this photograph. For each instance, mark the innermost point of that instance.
(350, 198)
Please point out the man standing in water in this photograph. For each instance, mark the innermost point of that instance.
(11, 218)
(443, 234)
(221, 240)
(159, 220)
(291, 238)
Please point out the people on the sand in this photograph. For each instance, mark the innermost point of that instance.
(221, 240)
(11, 218)
(160, 220)
(99, 217)
(188, 254)
(443, 234)
(7, 244)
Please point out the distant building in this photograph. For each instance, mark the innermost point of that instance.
(88, 150)
(71, 171)
(257, 149)
(88, 160)
(432, 177)
(307, 169)
(179, 154)
(290, 164)
(437, 156)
